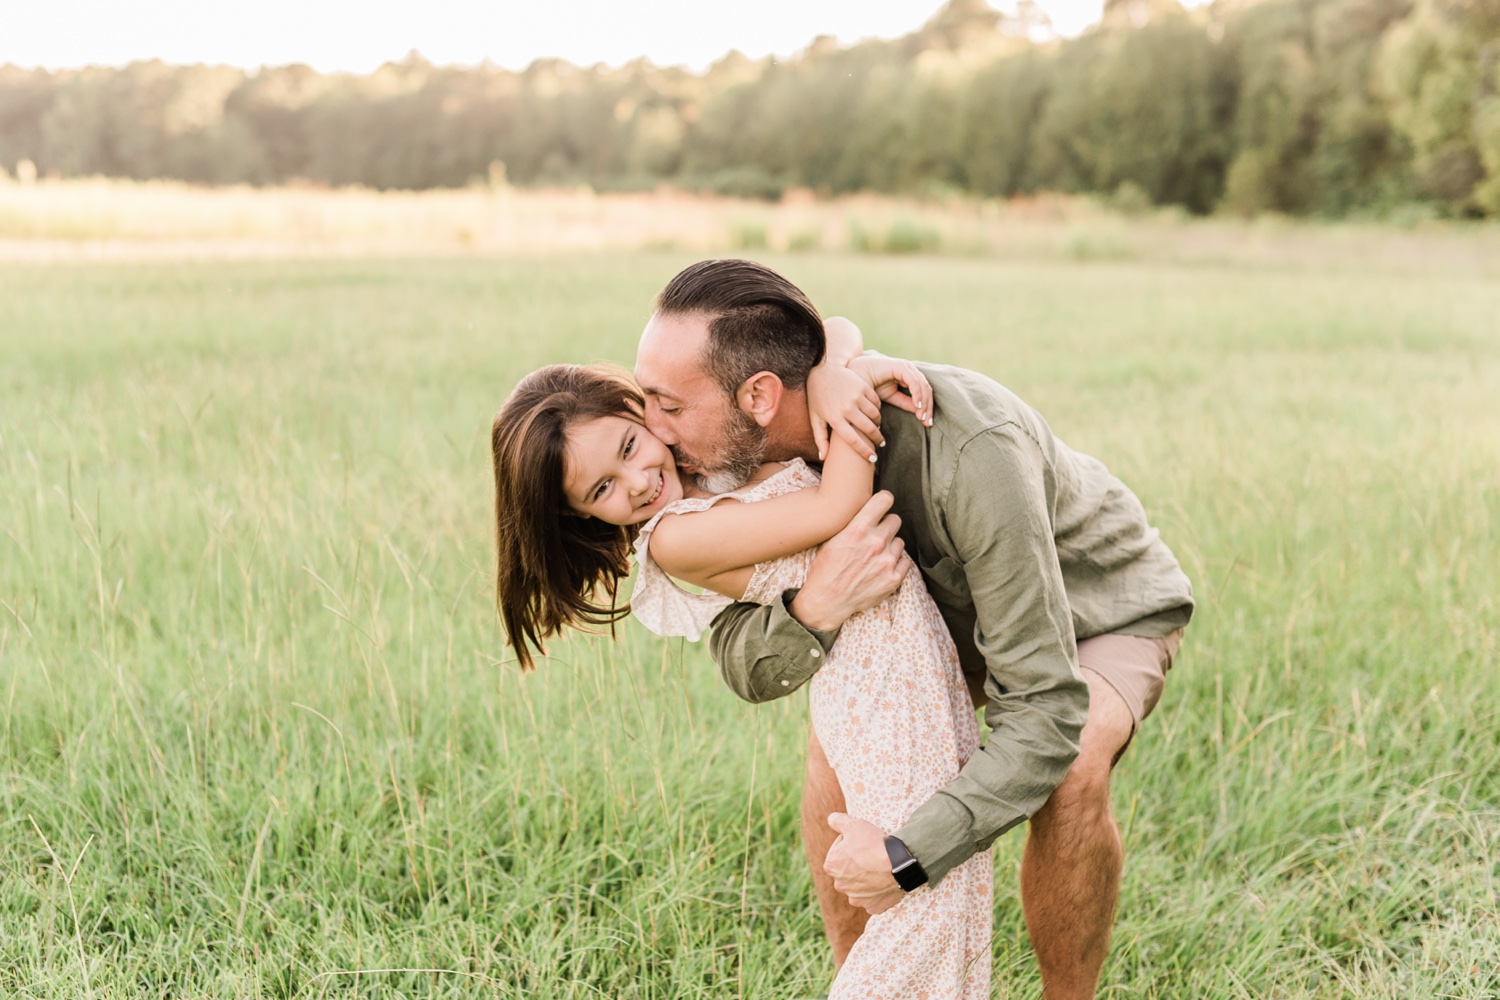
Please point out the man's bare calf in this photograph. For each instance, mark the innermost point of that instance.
(1070, 873)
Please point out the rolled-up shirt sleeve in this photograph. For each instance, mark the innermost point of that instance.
(763, 652)
(998, 518)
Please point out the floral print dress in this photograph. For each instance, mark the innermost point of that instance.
(894, 717)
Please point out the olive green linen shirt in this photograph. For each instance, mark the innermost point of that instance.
(1026, 546)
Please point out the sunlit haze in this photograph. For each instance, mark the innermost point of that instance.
(359, 37)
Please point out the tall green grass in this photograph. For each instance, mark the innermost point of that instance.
(260, 736)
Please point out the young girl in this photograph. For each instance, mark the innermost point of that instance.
(580, 483)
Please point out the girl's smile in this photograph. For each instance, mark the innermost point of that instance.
(618, 471)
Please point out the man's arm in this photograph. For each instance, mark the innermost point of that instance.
(998, 519)
(765, 652)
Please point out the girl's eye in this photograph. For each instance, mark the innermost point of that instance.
(600, 491)
(629, 446)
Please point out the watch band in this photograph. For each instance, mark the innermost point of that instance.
(906, 869)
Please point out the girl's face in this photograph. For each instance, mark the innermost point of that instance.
(616, 470)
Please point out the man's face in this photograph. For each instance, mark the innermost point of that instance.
(710, 436)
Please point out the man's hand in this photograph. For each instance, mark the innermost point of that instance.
(855, 569)
(860, 866)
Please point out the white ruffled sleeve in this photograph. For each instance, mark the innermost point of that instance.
(666, 608)
(657, 601)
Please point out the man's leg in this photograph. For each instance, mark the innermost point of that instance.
(1070, 873)
(822, 795)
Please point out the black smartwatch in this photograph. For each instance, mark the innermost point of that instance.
(908, 870)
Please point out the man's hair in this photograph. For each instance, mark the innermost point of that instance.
(757, 321)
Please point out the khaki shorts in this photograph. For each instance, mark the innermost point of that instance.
(1134, 665)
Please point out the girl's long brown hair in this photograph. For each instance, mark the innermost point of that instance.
(554, 567)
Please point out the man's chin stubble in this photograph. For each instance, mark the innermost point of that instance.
(744, 448)
(721, 481)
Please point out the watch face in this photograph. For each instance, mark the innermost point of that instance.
(905, 869)
(910, 875)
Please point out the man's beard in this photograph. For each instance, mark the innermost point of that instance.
(739, 458)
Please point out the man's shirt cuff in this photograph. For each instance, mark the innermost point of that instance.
(800, 649)
(938, 837)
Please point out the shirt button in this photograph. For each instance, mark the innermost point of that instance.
(786, 684)
(815, 653)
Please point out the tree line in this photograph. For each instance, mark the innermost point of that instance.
(1325, 107)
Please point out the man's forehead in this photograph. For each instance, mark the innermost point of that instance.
(667, 361)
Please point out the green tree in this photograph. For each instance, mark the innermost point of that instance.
(1301, 106)
(1144, 99)
(1357, 159)
(1275, 115)
(1431, 68)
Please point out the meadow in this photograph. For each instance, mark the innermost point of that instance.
(262, 738)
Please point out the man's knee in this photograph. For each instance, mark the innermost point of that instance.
(1083, 795)
(1109, 728)
(1082, 799)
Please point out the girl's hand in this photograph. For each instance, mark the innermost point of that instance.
(844, 401)
(847, 400)
(888, 376)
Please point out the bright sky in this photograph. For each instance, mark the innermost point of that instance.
(357, 37)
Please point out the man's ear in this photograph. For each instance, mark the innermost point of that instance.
(760, 396)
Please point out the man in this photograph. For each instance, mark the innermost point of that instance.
(1064, 604)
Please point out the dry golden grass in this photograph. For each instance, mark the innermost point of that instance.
(98, 219)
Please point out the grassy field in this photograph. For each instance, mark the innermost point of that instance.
(260, 737)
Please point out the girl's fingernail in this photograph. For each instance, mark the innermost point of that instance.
(872, 459)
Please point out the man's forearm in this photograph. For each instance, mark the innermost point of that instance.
(1003, 784)
(763, 652)
(1037, 700)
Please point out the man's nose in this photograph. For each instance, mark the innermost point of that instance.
(656, 423)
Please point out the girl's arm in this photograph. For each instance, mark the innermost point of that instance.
(844, 342)
(719, 547)
(844, 401)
